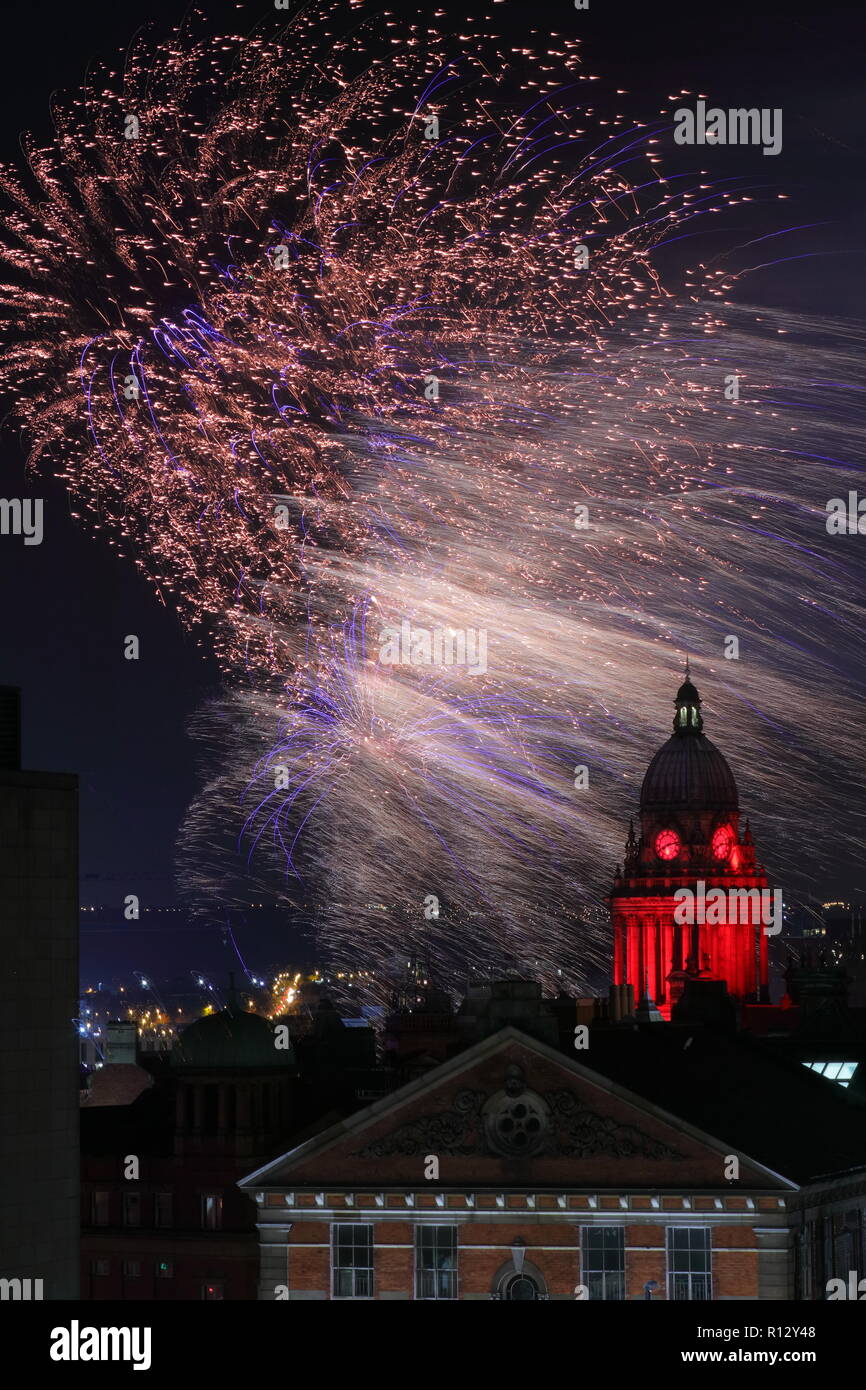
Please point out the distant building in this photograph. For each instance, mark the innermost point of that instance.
(424, 1030)
(690, 835)
(39, 1065)
(175, 1227)
(121, 1041)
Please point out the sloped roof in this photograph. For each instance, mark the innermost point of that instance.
(597, 1132)
(117, 1083)
(742, 1091)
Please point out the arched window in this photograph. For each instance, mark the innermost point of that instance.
(522, 1287)
(521, 1281)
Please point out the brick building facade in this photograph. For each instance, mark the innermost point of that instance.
(514, 1171)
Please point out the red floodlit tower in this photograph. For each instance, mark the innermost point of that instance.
(690, 833)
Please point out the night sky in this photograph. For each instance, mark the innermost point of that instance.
(69, 602)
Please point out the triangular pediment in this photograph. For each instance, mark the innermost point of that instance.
(512, 1110)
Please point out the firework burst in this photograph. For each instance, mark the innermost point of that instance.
(337, 333)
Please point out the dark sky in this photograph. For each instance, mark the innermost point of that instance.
(70, 602)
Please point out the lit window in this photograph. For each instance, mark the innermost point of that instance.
(436, 1262)
(604, 1261)
(163, 1209)
(211, 1212)
(352, 1260)
(689, 1271)
(132, 1208)
(840, 1072)
(99, 1208)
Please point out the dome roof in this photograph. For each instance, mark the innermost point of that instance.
(230, 1038)
(688, 773)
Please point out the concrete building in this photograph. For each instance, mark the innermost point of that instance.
(39, 1080)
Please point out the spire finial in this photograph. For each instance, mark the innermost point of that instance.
(687, 719)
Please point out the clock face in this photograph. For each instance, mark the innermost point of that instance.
(723, 842)
(667, 844)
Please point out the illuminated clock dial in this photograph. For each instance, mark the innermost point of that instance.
(667, 844)
(723, 842)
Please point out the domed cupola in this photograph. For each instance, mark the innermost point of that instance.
(234, 1083)
(688, 773)
(230, 1039)
(688, 902)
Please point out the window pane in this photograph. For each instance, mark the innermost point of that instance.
(436, 1262)
(604, 1261)
(689, 1267)
(352, 1260)
(211, 1211)
(162, 1209)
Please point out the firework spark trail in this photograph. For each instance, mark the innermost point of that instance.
(242, 304)
(226, 326)
(704, 521)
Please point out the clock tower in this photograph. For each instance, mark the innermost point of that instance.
(690, 838)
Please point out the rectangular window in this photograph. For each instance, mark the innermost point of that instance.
(132, 1269)
(163, 1209)
(817, 1254)
(132, 1208)
(211, 1211)
(689, 1270)
(436, 1262)
(164, 1269)
(604, 1261)
(100, 1269)
(99, 1208)
(210, 1110)
(352, 1260)
(803, 1252)
(213, 1293)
